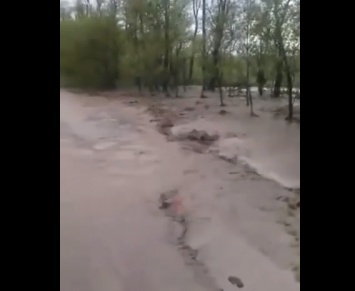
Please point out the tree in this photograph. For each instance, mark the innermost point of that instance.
(281, 12)
(248, 23)
(157, 45)
(196, 4)
(203, 48)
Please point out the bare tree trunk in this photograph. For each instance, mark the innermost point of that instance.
(282, 52)
(214, 79)
(141, 80)
(222, 14)
(167, 49)
(138, 78)
(261, 81)
(249, 97)
(203, 48)
(195, 7)
(280, 16)
(247, 54)
(219, 84)
(99, 6)
(278, 79)
(191, 68)
(87, 7)
(183, 72)
(289, 87)
(248, 93)
(289, 82)
(175, 69)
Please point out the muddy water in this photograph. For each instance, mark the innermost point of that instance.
(273, 149)
(114, 165)
(270, 145)
(273, 146)
(112, 237)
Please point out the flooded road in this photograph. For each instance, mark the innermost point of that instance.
(112, 235)
(113, 167)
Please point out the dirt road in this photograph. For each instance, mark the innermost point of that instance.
(113, 237)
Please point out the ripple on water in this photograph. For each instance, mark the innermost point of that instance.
(129, 161)
(104, 145)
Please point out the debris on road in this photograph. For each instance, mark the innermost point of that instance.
(236, 281)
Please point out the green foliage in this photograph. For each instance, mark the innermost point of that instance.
(90, 50)
(120, 41)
